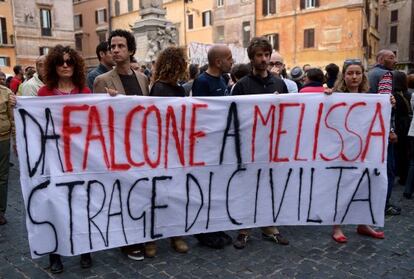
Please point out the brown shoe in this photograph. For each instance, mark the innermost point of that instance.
(3, 219)
(150, 249)
(179, 245)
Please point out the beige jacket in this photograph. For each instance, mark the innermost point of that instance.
(111, 80)
(6, 114)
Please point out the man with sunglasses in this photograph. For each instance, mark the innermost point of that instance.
(277, 68)
(381, 81)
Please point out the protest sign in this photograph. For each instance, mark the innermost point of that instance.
(100, 172)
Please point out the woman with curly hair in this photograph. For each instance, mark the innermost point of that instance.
(170, 67)
(64, 73)
(353, 80)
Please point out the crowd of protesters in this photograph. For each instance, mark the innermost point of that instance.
(62, 72)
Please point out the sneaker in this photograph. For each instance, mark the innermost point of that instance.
(277, 237)
(241, 241)
(134, 252)
(392, 210)
(86, 260)
(150, 249)
(3, 219)
(179, 245)
(56, 265)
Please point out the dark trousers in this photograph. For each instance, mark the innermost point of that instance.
(409, 184)
(390, 170)
(4, 173)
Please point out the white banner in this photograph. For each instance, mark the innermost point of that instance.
(198, 53)
(99, 172)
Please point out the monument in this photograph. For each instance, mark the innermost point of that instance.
(152, 32)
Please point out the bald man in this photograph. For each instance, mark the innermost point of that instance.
(30, 87)
(211, 82)
(277, 68)
(386, 62)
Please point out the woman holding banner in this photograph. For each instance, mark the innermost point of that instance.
(170, 68)
(353, 80)
(64, 75)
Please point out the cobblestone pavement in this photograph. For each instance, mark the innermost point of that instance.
(311, 253)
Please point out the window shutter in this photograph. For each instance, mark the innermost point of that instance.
(96, 17)
(312, 37)
(211, 18)
(302, 4)
(3, 30)
(276, 42)
(80, 21)
(316, 3)
(264, 3)
(7, 61)
(105, 16)
(272, 7)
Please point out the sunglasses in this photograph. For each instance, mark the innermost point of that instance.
(69, 62)
(352, 62)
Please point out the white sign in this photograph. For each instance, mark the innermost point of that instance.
(99, 172)
(198, 53)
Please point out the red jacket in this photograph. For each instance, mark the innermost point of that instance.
(45, 91)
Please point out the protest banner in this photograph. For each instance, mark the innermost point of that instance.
(99, 172)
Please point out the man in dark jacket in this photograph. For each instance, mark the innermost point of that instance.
(105, 63)
(260, 80)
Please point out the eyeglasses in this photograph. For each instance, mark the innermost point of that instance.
(69, 62)
(277, 63)
(352, 62)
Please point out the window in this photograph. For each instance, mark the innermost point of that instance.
(220, 3)
(220, 34)
(100, 16)
(117, 8)
(130, 6)
(101, 36)
(43, 50)
(246, 33)
(190, 22)
(3, 31)
(394, 15)
(4, 61)
(306, 4)
(77, 21)
(207, 21)
(376, 21)
(269, 7)
(78, 42)
(274, 40)
(309, 38)
(46, 22)
(393, 34)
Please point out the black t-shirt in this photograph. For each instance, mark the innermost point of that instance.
(252, 84)
(163, 89)
(130, 84)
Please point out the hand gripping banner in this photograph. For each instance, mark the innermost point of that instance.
(99, 172)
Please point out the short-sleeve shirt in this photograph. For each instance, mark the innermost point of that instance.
(208, 85)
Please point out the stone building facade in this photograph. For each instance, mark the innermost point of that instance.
(91, 26)
(7, 46)
(319, 32)
(39, 25)
(396, 26)
(233, 21)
